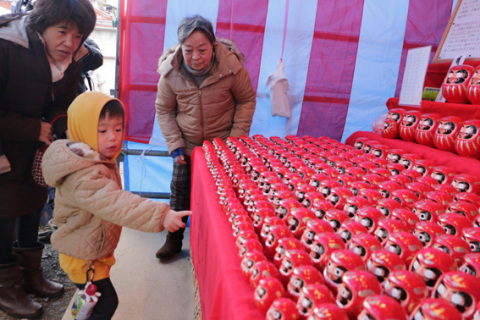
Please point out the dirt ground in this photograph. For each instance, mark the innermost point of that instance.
(54, 308)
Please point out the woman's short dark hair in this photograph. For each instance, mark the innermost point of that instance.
(47, 13)
(194, 23)
(114, 109)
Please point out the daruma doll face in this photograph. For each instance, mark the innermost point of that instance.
(454, 87)
(468, 140)
(427, 125)
(396, 115)
(409, 124)
(389, 129)
(447, 131)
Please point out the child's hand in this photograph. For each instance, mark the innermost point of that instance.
(173, 220)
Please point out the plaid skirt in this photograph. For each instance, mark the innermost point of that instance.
(180, 187)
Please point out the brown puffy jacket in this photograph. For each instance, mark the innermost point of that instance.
(222, 106)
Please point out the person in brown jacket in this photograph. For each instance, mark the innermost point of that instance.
(40, 54)
(204, 92)
(90, 206)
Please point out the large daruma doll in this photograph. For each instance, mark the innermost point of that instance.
(454, 88)
(467, 143)
(427, 125)
(473, 87)
(446, 134)
(409, 124)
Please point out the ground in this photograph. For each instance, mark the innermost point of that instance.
(53, 308)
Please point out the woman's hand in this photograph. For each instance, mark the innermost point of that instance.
(180, 159)
(173, 220)
(46, 133)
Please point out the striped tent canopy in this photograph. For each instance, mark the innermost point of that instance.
(343, 58)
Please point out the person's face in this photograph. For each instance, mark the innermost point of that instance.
(61, 41)
(110, 135)
(197, 51)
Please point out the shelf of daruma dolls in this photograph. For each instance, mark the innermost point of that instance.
(438, 157)
(224, 291)
(464, 111)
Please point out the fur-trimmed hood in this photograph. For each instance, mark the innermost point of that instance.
(64, 157)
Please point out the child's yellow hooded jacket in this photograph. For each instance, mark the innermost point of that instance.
(90, 205)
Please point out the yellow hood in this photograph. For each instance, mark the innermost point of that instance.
(83, 117)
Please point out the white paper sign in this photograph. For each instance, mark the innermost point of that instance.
(414, 76)
(463, 35)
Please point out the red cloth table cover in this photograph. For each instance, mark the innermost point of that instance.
(439, 157)
(225, 293)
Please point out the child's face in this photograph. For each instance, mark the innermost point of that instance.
(110, 135)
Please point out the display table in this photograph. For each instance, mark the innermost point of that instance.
(224, 291)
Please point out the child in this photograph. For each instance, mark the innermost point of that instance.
(90, 206)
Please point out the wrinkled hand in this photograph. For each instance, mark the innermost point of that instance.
(173, 220)
(180, 159)
(46, 133)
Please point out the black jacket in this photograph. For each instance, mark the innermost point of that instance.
(27, 95)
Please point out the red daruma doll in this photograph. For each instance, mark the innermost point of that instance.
(426, 128)
(454, 87)
(396, 115)
(468, 140)
(447, 131)
(473, 88)
(409, 124)
(389, 129)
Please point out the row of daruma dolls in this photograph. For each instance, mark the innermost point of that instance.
(449, 133)
(355, 263)
(462, 84)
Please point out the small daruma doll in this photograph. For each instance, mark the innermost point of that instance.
(340, 262)
(355, 287)
(454, 87)
(380, 307)
(427, 125)
(435, 309)
(467, 143)
(283, 308)
(409, 124)
(446, 134)
(473, 87)
(389, 129)
(460, 289)
(406, 287)
(267, 291)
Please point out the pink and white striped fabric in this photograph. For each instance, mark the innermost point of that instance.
(343, 58)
